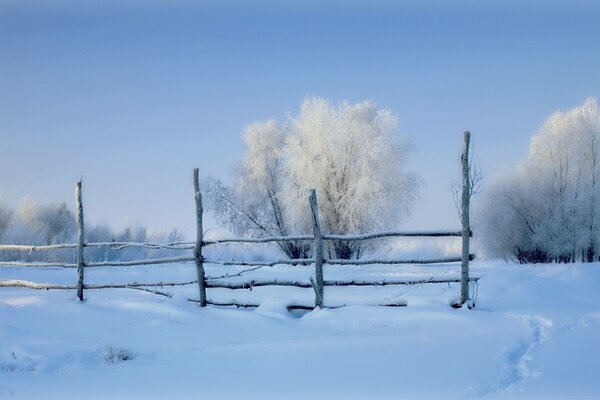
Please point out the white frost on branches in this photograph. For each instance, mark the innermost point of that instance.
(547, 209)
(349, 153)
(253, 205)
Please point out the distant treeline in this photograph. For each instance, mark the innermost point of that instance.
(32, 224)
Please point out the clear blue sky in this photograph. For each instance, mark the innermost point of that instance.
(133, 96)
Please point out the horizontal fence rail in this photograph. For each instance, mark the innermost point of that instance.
(153, 246)
(348, 238)
(231, 285)
(369, 236)
(190, 245)
(291, 307)
(26, 248)
(277, 239)
(204, 282)
(258, 283)
(110, 245)
(407, 261)
(132, 263)
(35, 264)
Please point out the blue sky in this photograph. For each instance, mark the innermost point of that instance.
(133, 96)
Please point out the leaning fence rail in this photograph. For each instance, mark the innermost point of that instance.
(207, 282)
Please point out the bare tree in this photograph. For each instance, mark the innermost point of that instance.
(476, 178)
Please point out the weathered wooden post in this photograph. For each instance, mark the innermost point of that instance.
(466, 230)
(318, 285)
(199, 236)
(80, 241)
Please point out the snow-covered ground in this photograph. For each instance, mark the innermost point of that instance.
(535, 334)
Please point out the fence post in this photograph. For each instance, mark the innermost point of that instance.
(80, 241)
(466, 230)
(199, 236)
(318, 285)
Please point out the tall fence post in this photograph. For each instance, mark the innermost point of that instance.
(466, 230)
(199, 236)
(318, 285)
(80, 241)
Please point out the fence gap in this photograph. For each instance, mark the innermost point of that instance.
(318, 284)
(466, 230)
(198, 247)
(80, 241)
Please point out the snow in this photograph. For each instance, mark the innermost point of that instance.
(535, 333)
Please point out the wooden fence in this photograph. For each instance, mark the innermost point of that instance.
(318, 283)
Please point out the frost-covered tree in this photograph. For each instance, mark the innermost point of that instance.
(57, 223)
(100, 233)
(351, 155)
(5, 217)
(33, 224)
(253, 205)
(547, 209)
(42, 225)
(38, 225)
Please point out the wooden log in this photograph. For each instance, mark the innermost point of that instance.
(35, 264)
(400, 303)
(233, 285)
(154, 246)
(228, 285)
(191, 245)
(51, 286)
(397, 282)
(47, 286)
(259, 240)
(377, 235)
(466, 230)
(29, 249)
(319, 291)
(150, 261)
(261, 283)
(325, 236)
(251, 284)
(111, 245)
(366, 236)
(172, 260)
(409, 261)
(80, 241)
(294, 261)
(138, 284)
(199, 235)
(34, 285)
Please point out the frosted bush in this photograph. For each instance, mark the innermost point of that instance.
(547, 208)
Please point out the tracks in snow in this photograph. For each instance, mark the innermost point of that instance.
(517, 358)
(516, 366)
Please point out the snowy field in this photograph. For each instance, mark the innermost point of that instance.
(535, 334)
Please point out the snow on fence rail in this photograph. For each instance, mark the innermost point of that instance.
(204, 282)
